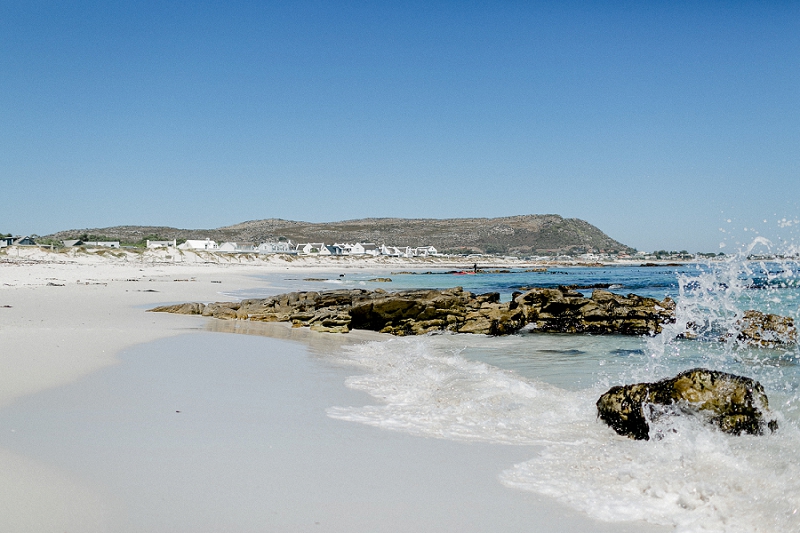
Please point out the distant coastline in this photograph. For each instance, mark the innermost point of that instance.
(83, 255)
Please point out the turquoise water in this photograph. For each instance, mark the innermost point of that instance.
(540, 389)
(656, 282)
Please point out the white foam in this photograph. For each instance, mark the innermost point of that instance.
(429, 392)
(694, 478)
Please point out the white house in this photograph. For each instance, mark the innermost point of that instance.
(237, 247)
(102, 244)
(363, 248)
(344, 247)
(396, 251)
(207, 244)
(424, 251)
(310, 248)
(275, 248)
(162, 244)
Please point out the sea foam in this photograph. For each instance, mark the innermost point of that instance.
(693, 477)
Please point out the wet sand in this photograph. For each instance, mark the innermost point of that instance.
(218, 432)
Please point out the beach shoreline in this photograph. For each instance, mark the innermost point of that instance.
(65, 323)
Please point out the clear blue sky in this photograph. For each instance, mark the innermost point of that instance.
(655, 121)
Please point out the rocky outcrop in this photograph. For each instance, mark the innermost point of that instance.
(568, 311)
(732, 403)
(415, 312)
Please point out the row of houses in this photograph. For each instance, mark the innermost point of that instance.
(281, 247)
(319, 248)
(93, 244)
(16, 241)
(310, 248)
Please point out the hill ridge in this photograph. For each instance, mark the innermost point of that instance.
(513, 235)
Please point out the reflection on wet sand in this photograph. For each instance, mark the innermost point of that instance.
(318, 342)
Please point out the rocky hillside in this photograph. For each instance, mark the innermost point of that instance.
(518, 235)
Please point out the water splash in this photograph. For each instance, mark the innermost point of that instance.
(712, 301)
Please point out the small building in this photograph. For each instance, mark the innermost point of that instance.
(331, 249)
(69, 243)
(344, 247)
(162, 244)
(207, 244)
(364, 248)
(335, 249)
(310, 248)
(237, 247)
(103, 244)
(396, 251)
(17, 241)
(284, 247)
(424, 251)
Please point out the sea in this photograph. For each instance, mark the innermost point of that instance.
(540, 390)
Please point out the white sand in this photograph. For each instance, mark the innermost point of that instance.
(66, 317)
(59, 322)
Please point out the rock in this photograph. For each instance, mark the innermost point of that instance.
(416, 312)
(566, 311)
(180, 309)
(381, 280)
(732, 403)
(760, 329)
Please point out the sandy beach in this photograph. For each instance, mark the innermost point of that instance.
(114, 419)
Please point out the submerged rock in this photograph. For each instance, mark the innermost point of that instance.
(734, 404)
(415, 312)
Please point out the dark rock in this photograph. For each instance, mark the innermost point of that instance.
(732, 403)
(566, 311)
(415, 312)
(759, 329)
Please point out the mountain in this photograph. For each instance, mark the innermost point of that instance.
(517, 235)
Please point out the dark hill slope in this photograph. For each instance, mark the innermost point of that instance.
(525, 234)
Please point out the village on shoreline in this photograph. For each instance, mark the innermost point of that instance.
(200, 250)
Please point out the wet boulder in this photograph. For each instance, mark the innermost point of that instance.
(760, 329)
(734, 404)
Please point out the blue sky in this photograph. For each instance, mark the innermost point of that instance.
(655, 121)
